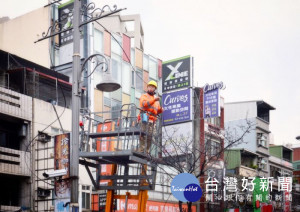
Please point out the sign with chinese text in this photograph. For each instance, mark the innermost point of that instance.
(132, 206)
(177, 106)
(62, 153)
(62, 161)
(65, 12)
(177, 74)
(211, 104)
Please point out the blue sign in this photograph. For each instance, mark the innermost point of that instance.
(185, 187)
(211, 104)
(177, 106)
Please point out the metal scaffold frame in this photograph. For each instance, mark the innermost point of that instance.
(116, 142)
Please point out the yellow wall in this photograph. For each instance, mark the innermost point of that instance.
(17, 36)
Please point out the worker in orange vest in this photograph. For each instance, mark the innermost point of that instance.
(149, 103)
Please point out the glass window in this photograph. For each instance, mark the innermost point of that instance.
(115, 108)
(132, 78)
(139, 80)
(86, 200)
(116, 43)
(132, 55)
(126, 78)
(152, 68)
(146, 62)
(262, 139)
(116, 68)
(132, 43)
(98, 41)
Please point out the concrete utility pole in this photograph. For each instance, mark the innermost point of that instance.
(107, 85)
(76, 103)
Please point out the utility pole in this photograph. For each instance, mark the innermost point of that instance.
(107, 85)
(76, 103)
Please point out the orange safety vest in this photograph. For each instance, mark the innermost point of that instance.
(148, 103)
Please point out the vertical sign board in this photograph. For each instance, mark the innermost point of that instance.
(177, 106)
(177, 74)
(62, 161)
(211, 101)
(66, 21)
(177, 139)
(105, 145)
(65, 15)
(211, 104)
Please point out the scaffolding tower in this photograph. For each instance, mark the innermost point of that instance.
(116, 149)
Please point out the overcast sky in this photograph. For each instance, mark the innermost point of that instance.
(253, 46)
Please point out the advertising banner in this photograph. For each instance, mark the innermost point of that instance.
(132, 206)
(177, 74)
(177, 106)
(62, 161)
(211, 104)
(62, 153)
(177, 139)
(65, 15)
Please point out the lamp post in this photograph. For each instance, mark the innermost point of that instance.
(108, 85)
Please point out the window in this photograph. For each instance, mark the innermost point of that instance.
(115, 108)
(262, 164)
(146, 62)
(152, 68)
(262, 139)
(98, 41)
(139, 80)
(214, 121)
(126, 78)
(85, 200)
(116, 68)
(132, 55)
(132, 78)
(213, 147)
(116, 43)
(86, 197)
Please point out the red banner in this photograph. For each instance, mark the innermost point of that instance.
(151, 206)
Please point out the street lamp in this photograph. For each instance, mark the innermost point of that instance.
(107, 84)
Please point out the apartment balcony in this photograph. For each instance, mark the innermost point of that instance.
(245, 171)
(15, 104)
(14, 162)
(262, 124)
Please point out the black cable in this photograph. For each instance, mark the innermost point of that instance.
(58, 118)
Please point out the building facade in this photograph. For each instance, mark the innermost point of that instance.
(255, 144)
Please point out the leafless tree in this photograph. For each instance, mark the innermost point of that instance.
(183, 154)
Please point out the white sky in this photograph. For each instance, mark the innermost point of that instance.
(253, 46)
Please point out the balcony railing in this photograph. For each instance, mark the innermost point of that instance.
(262, 124)
(14, 162)
(15, 104)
